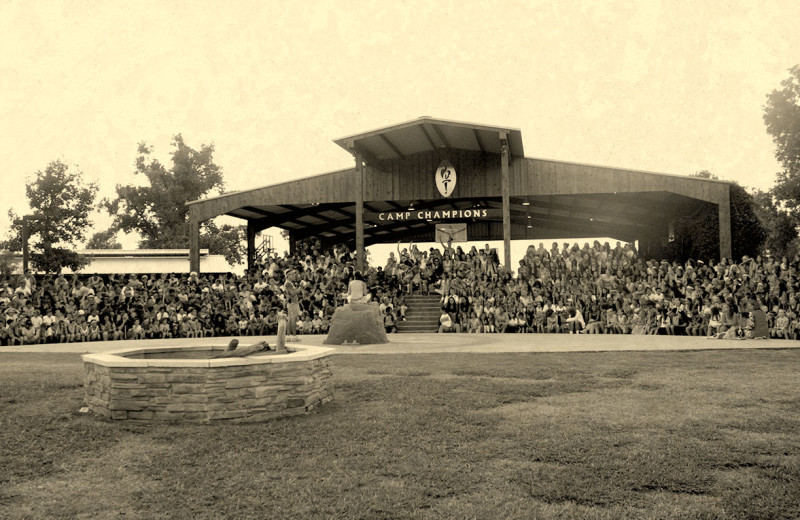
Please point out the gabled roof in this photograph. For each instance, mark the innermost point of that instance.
(547, 197)
(429, 134)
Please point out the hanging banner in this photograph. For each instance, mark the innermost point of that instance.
(445, 178)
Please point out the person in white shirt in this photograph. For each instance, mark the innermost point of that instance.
(446, 323)
(575, 321)
(357, 290)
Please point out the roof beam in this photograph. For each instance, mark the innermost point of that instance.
(294, 213)
(428, 137)
(347, 214)
(330, 227)
(478, 140)
(344, 235)
(413, 234)
(366, 156)
(435, 135)
(313, 214)
(392, 146)
(577, 210)
(397, 229)
(253, 209)
(576, 226)
(568, 216)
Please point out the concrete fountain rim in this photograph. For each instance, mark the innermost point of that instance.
(116, 358)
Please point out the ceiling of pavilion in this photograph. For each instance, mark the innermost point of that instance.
(624, 216)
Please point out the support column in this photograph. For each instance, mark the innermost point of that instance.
(292, 243)
(644, 247)
(251, 245)
(725, 241)
(506, 201)
(25, 251)
(359, 189)
(194, 240)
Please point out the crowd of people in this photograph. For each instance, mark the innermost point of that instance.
(593, 289)
(598, 289)
(307, 285)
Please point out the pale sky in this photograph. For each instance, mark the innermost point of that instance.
(672, 87)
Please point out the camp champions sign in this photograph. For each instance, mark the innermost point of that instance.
(445, 180)
(432, 214)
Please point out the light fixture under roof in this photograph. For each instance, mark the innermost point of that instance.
(526, 203)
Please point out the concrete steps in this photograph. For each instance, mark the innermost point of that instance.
(422, 314)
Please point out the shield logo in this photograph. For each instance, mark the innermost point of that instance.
(446, 178)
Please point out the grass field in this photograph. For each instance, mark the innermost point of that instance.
(712, 434)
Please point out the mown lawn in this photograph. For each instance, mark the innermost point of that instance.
(712, 434)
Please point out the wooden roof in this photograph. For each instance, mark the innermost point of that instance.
(429, 134)
(549, 199)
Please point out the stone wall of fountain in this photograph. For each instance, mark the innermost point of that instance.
(147, 384)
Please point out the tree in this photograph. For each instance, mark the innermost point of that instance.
(699, 236)
(158, 212)
(8, 265)
(62, 200)
(748, 232)
(104, 240)
(705, 174)
(225, 240)
(781, 229)
(782, 118)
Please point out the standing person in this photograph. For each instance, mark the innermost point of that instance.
(292, 304)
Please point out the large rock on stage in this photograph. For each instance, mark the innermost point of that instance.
(359, 322)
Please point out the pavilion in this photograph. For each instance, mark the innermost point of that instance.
(411, 178)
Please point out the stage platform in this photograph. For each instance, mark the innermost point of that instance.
(467, 343)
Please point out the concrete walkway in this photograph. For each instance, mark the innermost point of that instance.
(439, 343)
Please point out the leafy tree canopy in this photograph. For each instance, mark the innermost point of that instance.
(61, 200)
(781, 229)
(104, 240)
(699, 236)
(53, 259)
(8, 265)
(782, 118)
(157, 210)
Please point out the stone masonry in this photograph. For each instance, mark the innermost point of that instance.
(242, 390)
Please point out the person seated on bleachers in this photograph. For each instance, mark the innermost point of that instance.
(389, 321)
(317, 324)
(446, 323)
(781, 328)
(551, 321)
(575, 323)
